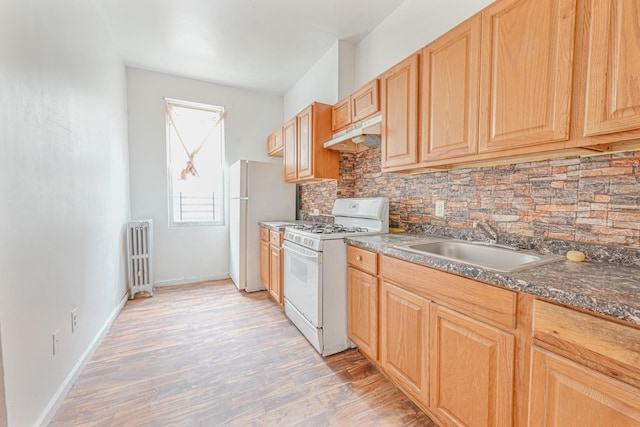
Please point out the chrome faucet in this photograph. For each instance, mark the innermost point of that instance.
(491, 232)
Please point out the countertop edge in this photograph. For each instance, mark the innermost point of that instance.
(519, 281)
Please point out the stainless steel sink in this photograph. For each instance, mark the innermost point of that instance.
(490, 257)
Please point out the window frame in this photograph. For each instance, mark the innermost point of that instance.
(223, 176)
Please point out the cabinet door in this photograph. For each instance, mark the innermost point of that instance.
(566, 394)
(362, 309)
(276, 274)
(471, 370)
(400, 114)
(450, 82)
(365, 101)
(305, 143)
(613, 75)
(274, 143)
(404, 340)
(341, 114)
(527, 64)
(289, 135)
(265, 275)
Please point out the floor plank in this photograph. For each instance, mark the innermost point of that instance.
(207, 355)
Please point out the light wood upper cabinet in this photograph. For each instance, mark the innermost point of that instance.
(404, 340)
(471, 370)
(289, 140)
(449, 90)
(526, 78)
(399, 99)
(305, 142)
(305, 158)
(275, 144)
(365, 102)
(566, 394)
(612, 101)
(341, 114)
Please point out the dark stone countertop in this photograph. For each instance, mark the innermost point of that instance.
(281, 225)
(609, 289)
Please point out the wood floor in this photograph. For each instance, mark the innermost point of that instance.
(208, 355)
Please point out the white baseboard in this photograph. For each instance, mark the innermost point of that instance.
(188, 280)
(57, 399)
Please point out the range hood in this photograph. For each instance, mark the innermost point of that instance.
(362, 136)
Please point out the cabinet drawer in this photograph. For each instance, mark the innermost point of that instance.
(363, 259)
(591, 340)
(264, 234)
(275, 238)
(494, 305)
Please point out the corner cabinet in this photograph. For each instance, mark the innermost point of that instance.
(290, 147)
(526, 78)
(399, 106)
(275, 145)
(305, 158)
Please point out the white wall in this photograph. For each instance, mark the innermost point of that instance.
(330, 78)
(188, 254)
(411, 26)
(64, 195)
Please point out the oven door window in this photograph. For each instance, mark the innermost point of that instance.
(303, 281)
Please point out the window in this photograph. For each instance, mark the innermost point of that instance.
(195, 141)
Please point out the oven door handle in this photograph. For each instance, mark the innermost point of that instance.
(302, 252)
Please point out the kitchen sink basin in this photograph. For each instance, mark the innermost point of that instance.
(494, 258)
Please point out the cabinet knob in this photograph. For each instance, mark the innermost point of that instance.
(358, 258)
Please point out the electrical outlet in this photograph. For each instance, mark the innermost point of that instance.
(74, 319)
(55, 341)
(315, 212)
(440, 208)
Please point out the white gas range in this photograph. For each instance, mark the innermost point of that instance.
(315, 270)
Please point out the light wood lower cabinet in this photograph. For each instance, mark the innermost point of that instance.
(265, 274)
(473, 354)
(404, 340)
(275, 262)
(471, 370)
(271, 263)
(362, 300)
(566, 394)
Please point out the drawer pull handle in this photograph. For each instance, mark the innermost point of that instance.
(358, 258)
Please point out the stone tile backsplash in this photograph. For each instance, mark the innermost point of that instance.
(592, 200)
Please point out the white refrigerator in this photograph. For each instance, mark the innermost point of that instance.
(257, 193)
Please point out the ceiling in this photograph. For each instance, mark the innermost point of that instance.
(261, 45)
